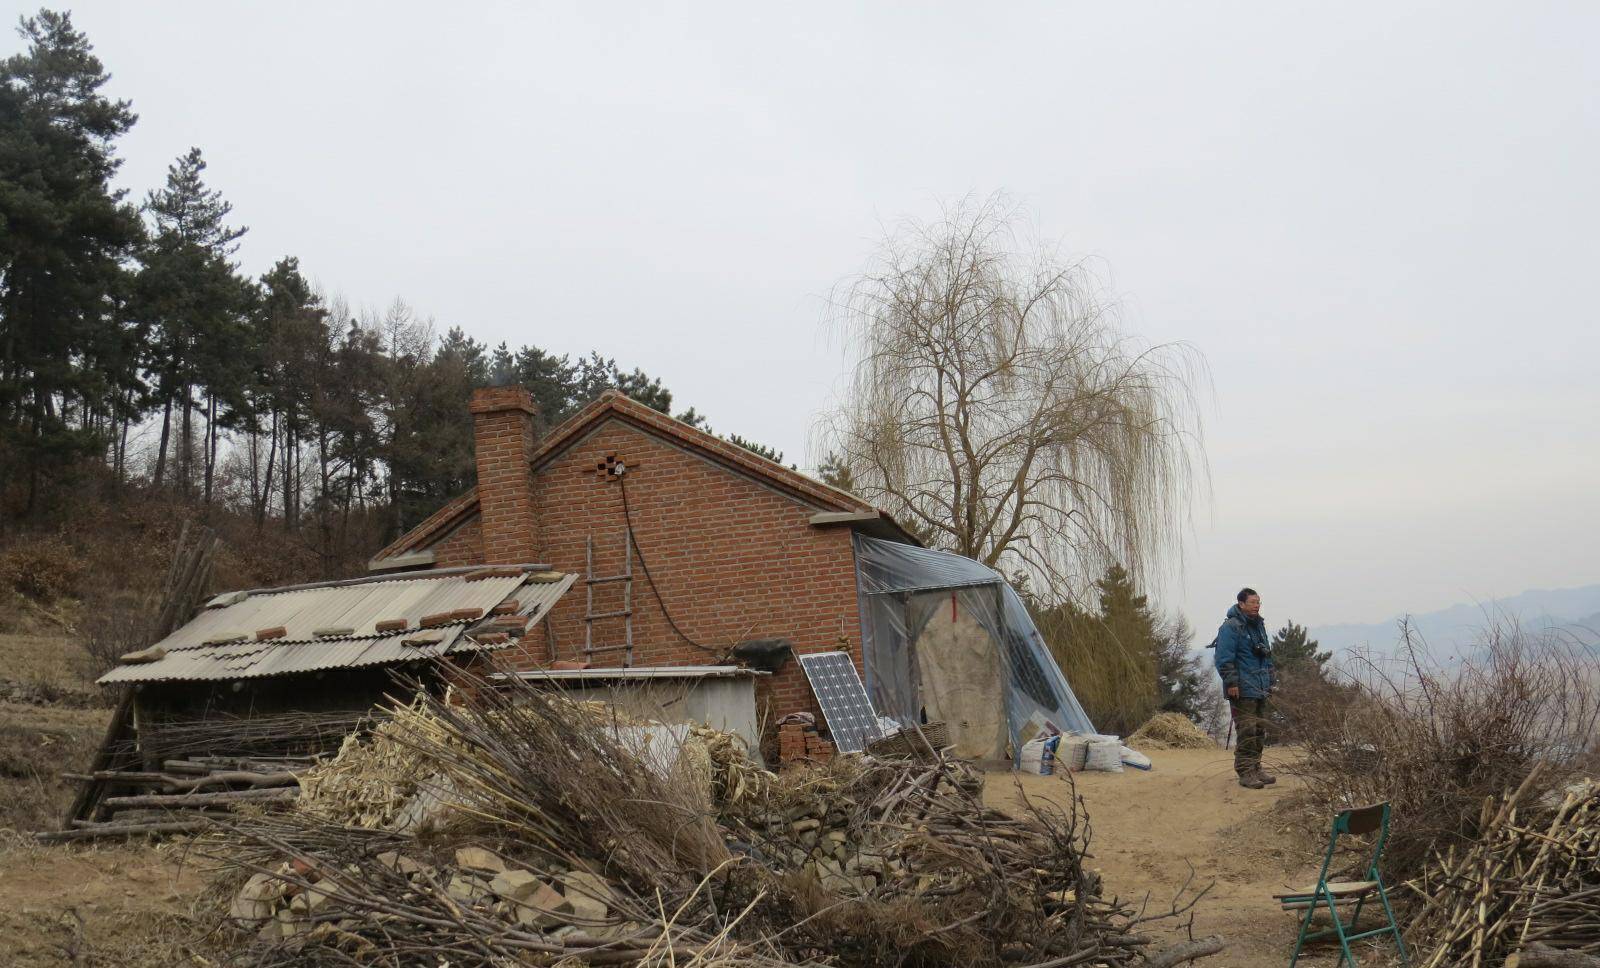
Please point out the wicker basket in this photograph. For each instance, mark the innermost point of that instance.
(907, 742)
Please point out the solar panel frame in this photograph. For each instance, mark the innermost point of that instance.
(843, 698)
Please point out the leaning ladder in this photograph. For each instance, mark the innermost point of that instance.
(625, 613)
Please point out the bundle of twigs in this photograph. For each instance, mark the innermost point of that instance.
(291, 733)
(1531, 878)
(647, 861)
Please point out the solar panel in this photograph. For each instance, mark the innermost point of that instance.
(843, 700)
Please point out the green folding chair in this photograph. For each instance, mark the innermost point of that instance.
(1331, 894)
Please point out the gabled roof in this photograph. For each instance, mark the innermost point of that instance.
(349, 624)
(615, 405)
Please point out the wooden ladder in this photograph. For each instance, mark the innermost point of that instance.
(590, 616)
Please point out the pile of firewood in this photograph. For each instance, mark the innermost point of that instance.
(183, 796)
(556, 835)
(1529, 883)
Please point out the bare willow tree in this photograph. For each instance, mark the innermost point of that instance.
(996, 407)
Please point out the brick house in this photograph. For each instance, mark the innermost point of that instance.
(723, 546)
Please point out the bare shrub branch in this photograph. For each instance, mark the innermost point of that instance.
(1437, 740)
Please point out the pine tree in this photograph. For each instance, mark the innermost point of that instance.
(1294, 652)
(66, 370)
(289, 333)
(196, 307)
(1110, 654)
(757, 448)
(834, 472)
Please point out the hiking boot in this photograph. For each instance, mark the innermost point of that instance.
(1251, 781)
(1266, 777)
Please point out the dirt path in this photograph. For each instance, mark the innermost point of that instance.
(1149, 827)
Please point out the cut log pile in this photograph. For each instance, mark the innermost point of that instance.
(183, 796)
(1529, 883)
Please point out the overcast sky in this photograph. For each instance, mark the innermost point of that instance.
(1377, 222)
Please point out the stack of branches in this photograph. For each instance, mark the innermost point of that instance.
(606, 852)
(182, 796)
(1530, 882)
(288, 733)
(1436, 740)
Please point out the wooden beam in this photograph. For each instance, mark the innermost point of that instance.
(97, 831)
(827, 519)
(201, 799)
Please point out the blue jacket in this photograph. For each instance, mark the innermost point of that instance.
(1244, 655)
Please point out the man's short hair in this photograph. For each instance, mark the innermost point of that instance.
(1245, 593)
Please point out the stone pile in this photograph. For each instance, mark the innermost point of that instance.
(300, 897)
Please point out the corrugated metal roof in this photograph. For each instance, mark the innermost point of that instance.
(302, 611)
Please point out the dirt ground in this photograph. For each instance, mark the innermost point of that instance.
(122, 905)
(97, 906)
(1148, 828)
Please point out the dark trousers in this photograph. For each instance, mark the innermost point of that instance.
(1250, 723)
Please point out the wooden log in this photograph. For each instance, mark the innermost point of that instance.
(258, 764)
(107, 830)
(129, 777)
(156, 816)
(1539, 956)
(118, 730)
(1188, 951)
(187, 766)
(180, 800)
(224, 777)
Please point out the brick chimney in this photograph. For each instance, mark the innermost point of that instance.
(502, 428)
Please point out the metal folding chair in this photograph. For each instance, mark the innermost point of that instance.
(1331, 894)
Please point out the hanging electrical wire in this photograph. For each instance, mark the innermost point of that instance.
(620, 471)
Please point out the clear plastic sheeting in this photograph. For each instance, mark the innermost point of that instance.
(902, 587)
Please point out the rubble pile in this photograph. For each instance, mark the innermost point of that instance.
(301, 897)
(553, 839)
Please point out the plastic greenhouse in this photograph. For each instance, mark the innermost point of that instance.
(945, 638)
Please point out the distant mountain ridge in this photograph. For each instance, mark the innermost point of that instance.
(1457, 628)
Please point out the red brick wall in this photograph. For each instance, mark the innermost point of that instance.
(734, 560)
(463, 546)
(503, 438)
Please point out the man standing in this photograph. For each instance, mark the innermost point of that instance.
(1244, 659)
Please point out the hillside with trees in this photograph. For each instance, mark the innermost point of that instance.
(138, 361)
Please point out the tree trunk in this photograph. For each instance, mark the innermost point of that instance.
(291, 468)
(186, 443)
(266, 481)
(211, 446)
(166, 432)
(122, 439)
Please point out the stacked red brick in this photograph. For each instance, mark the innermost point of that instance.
(797, 741)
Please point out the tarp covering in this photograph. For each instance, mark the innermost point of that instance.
(902, 586)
